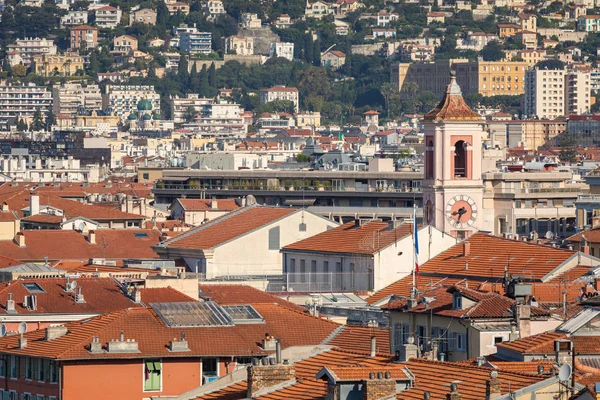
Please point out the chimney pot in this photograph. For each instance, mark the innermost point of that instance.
(388, 375)
(380, 375)
(373, 346)
(371, 375)
(466, 248)
(92, 237)
(586, 249)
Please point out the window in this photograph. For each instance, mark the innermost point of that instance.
(292, 265)
(457, 301)
(498, 339)
(53, 374)
(302, 227)
(313, 267)
(33, 288)
(461, 342)
(325, 267)
(28, 367)
(14, 395)
(210, 367)
(274, 238)
(451, 340)
(43, 369)
(13, 367)
(152, 371)
(146, 175)
(460, 159)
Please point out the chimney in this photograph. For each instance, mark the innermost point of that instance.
(10, 304)
(55, 331)
(213, 204)
(123, 345)
(435, 348)
(92, 237)
(408, 350)
(493, 386)
(269, 342)
(79, 296)
(137, 296)
(562, 350)
(4, 207)
(379, 387)
(20, 239)
(95, 345)
(585, 249)
(524, 320)
(513, 335)
(179, 345)
(466, 248)
(356, 223)
(263, 377)
(278, 352)
(453, 395)
(34, 204)
(373, 346)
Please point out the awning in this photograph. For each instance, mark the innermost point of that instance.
(175, 178)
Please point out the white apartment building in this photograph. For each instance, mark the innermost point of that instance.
(280, 93)
(240, 45)
(74, 18)
(72, 98)
(282, 49)
(553, 93)
(180, 105)
(214, 8)
(578, 94)
(29, 47)
(21, 101)
(123, 99)
(196, 42)
(251, 21)
(108, 17)
(588, 23)
(544, 93)
(219, 118)
(35, 169)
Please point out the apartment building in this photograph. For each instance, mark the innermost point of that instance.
(123, 99)
(73, 18)
(180, 106)
(528, 22)
(144, 16)
(282, 49)
(488, 78)
(553, 93)
(280, 93)
(84, 36)
(531, 57)
(317, 9)
(239, 45)
(196, 42)
(22, 101)
(214, 8)
(108, 17)
(588, 23)
(124, 44)
(58, 64)
(508, 30)
(585, 128)
(29, 47)
(75, 98)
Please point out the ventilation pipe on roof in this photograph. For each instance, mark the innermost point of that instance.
(493, 386)
(91, 237)
(20, 239)
(10, 304)
(373, 346)
(55, 331)
(454, 394)
(278, 351)
(79, 296)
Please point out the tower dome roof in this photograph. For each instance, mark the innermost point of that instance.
(146, 117)
(144, 105)
(453, 106)
(132, 117)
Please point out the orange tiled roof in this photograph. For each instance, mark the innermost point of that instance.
(202, 205)
(542, 343)
(153, 336)
(452, 106)
(164, 295)
(102, 295)
(591, 235)
(71, 245)
(43, 219)
(243, 294)
(8, 262)
(366, 239)
(359, 372)
(358, 338)
(228, 227)
(8, 216)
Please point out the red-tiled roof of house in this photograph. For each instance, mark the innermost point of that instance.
(204, 205)
(8, 216)
(360, 372)
(591, 235)
(71, 245)
(542, 343)
(101, 295)
(337, 53)
(83, 28)
(435, 377)
(280, 89)
(369, 238)
(358, 338)
(403, 286)
(486, 305)
(43, 219)
(371, 112)
(452, 107)
(152, 335)
(8, 262)
(228, 227)
(167, 225)
(164, 295)
(21, 199)
(81, 190)
(243, 294)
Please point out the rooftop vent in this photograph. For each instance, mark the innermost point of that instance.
(123, 345)
(179, 345)
(95, 345)
(55, 331)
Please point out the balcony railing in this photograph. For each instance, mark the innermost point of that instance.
(290, 188)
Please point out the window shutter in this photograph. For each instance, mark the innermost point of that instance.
(6, 396)
(150, 366)
(451, 341)
(23, 366)
(274, 238)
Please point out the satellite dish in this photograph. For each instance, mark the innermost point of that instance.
(73, 285)
(22, 328)
(2, 330)
(564, 373)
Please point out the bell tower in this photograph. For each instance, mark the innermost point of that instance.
(453, 187)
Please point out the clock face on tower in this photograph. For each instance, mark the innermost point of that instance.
(461, 211)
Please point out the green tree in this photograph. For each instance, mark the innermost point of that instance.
(411, 88)
(493, 51)
(567, 142)
(19, 70)
(317, 53)
(204, 87)
(37, 122)
(183, 71)
(162, 15)
(94, 65)
(550, 64)
(212, 78)
(309, 52)
(189, 114)
(388, 90)
(50, 120)
(21, 125)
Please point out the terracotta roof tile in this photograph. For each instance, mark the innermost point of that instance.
(152, 335)
(542, 343)
(228, 227)
(164, 295)
(360, 372)
(358, 338)
(452, 106)
(71, 245)
(43, 219)
(348, 238)
(8, 216)
(243, 294)
(205, 205)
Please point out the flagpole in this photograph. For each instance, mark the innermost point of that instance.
(414, 248)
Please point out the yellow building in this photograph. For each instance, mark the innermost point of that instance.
(488, 78)
(57, 65)
(508, 30)
(531, 57)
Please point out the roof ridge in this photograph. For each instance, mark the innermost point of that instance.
(465, 365)
(333, 334)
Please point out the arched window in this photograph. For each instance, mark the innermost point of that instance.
(460, 159)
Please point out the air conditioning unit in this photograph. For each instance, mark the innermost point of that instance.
(209, 378)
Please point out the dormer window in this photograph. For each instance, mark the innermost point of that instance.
(456, 301)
